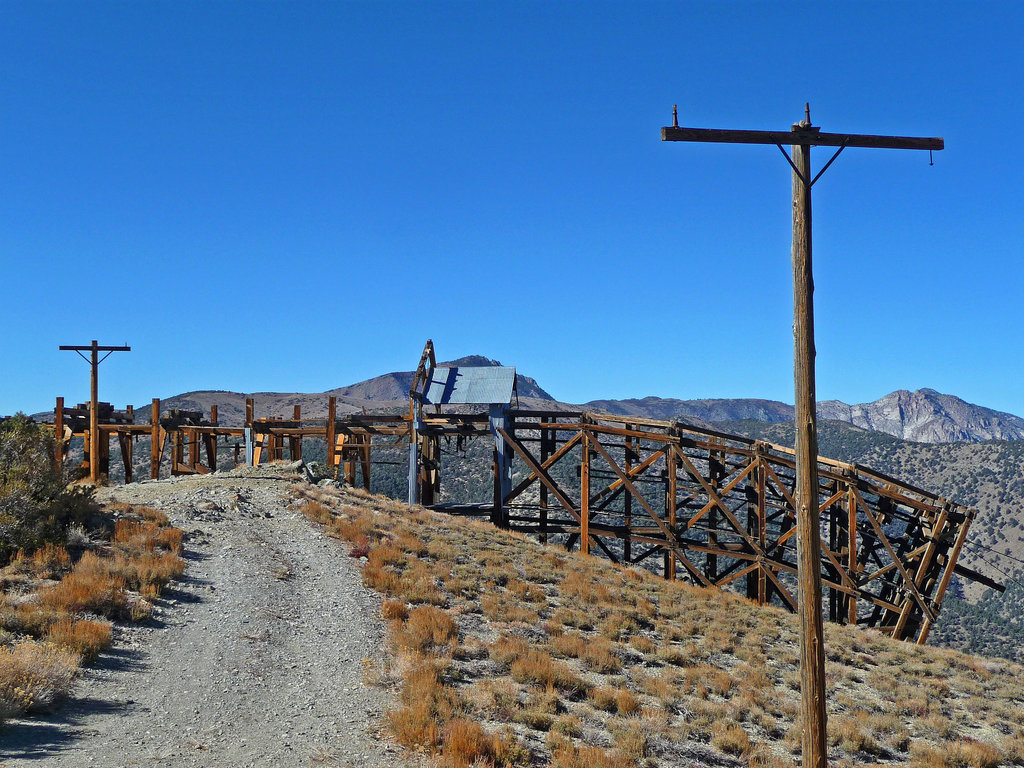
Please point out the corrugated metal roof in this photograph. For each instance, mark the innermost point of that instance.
(470, 385)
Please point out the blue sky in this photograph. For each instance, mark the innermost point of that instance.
(294, 196)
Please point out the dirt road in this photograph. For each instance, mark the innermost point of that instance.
(255, 659)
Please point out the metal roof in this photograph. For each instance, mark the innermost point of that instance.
(470, 385)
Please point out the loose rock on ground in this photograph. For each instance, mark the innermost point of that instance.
(255, 658)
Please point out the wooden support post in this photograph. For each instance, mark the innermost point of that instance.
(497, 500)
(156, 446)
(802, 137)
(547, 438)
(104, 463)
(125, 442)
(947, 575)
(812, 634)
(852, 564)
(332, 426)
(627, 501)
(175, 450)
(836, 599)
(350, 467)
(192, 436)
(58, 438)
(211, 441)
(585, 495)
(671, 495)
(714, 480)
(250, 412)
(762, 527)
(93, 448)
(295, 443)
(501, 423)
(750, 491)
(210, 445)
(364, 460)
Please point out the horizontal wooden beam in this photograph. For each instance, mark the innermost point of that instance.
(811, 138)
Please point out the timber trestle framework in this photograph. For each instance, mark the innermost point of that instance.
(718, 510)
(691, 503)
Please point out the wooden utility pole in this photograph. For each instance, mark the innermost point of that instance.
(94, 361)
(801, 137)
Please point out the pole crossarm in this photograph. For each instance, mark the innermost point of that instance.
(810, 137)
(89, 348)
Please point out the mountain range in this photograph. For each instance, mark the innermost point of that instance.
(925, 415)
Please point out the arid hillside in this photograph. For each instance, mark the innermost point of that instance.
(507, 651)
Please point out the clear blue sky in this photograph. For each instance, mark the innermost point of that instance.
(294, 196)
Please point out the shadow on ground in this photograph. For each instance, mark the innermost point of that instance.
(41, 737)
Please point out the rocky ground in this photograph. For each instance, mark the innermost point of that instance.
(255, 659)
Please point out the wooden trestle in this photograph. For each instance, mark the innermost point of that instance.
(712, 508)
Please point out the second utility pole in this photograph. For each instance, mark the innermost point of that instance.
(94, 360)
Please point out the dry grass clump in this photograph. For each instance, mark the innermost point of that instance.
(730, 738)
(91, 589)
(152, 515)
(465, 743)
(317, 512)
(48, 562)
(27, 618)
(81, 636)
(34, 677)
(596, 653)
(611, 699)
(142, 556)
(567, 754)
(427, 629)
(394, 610)
(536, 666)
(428, 704)
(964, 753)
(138, 537)
(498, 607)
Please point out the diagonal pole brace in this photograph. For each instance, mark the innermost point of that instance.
(792, 165)
(825, 168)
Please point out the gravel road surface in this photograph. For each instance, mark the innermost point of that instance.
(254, 659)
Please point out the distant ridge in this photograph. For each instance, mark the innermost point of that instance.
(652, 407)
(927, 416)
(924, 415)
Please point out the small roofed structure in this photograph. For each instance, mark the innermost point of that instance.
(439, 386)
(470, 385)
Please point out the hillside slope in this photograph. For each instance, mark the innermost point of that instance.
(513, 653)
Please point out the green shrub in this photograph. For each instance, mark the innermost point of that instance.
(36, 506)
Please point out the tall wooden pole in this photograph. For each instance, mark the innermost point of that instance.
(94, 361)
(808, 532)
(802, 137)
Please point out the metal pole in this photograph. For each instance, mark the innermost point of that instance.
(812, 647)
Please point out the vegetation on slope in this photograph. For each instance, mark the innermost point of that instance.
(511, 653)
(59, 585)
(36, 506)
